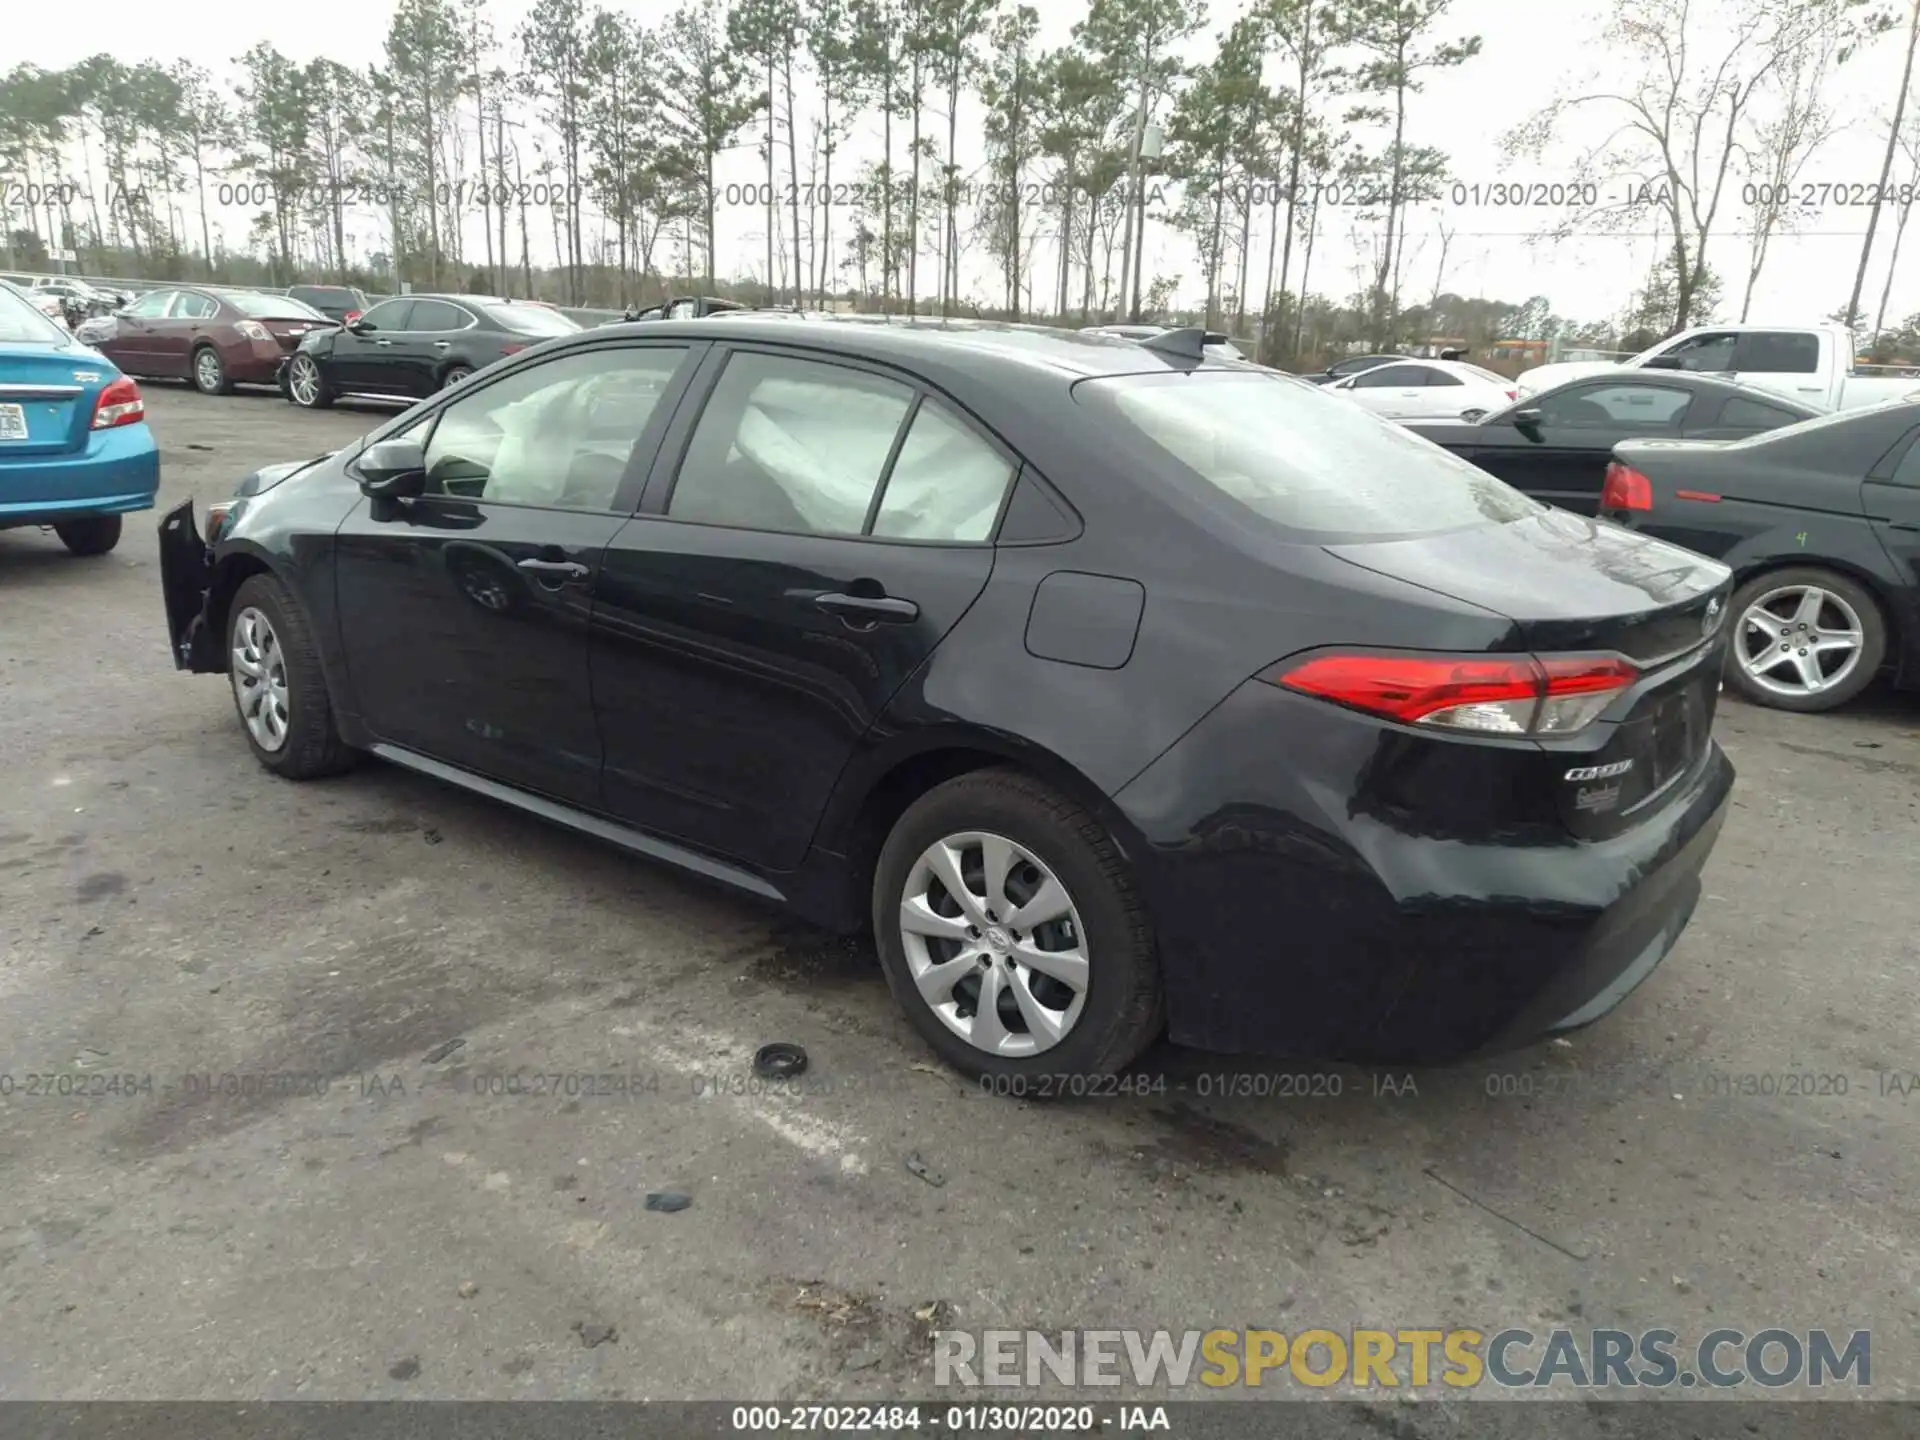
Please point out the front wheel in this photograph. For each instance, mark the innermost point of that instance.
(1011, 932)
(306, 386)
(210, 372)
(92, 535)
(278, 686)
(1804, 639)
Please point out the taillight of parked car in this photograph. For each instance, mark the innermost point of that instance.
(1625, 489)
(253, 330)
(119, 404)
(1482, 694)
(350, 317)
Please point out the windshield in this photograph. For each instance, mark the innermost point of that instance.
(1291, 454)
(530, 319)
(20, 323)
(271, 307)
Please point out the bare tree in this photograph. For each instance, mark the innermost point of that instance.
(1678, 121)
(1910, 144)
(1782, 145)
(1878, 22)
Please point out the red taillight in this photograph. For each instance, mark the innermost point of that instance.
(1625, 489)
(119, 404)
(1513, 394)
(511, 349)
(1491, 695)
(352, 315)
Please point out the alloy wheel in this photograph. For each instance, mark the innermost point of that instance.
(456, 375)
(206, 371)
(260, 679)
(304, 381)
(1799, 640)
(994, 944)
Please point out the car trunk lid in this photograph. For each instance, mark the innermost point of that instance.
(47, 395)
(1571, 586)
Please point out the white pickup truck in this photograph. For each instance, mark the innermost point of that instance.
(1812, 363)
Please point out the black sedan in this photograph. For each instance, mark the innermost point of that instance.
(1111, 686)
(415, 345)
(1820, 524)
(1556, 445)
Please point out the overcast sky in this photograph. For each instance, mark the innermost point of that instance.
(1533, 51)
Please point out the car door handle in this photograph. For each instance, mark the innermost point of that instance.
(442, 344)
(868, 607)
(556, 567)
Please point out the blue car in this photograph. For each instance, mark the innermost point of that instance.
(75, 450)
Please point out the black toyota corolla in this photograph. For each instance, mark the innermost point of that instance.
(1114, 687)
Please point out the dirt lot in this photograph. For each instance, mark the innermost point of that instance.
(168, 910)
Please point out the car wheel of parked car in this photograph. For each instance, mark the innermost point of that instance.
(455, 374)
(278, 687)
(1011, 932)
(1804, 639)
(306, 385)
(93, 535)
(210, 372)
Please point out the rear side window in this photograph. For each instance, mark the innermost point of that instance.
(1752, 415)
(1778, 352)
(194, 307)
(1297, 457)
(946, 484)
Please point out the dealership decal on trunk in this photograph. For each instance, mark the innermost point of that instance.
(1598, 772)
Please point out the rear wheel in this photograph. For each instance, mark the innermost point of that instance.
(210, 372)
(1011, 933)
(1804, 639)
(453, 375)
(92, 535)
(278, 687)
(307, 385)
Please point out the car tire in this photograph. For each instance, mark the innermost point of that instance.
(210, 372)
(321, 393)
(90, 535)
(266, 622)
(453, 375)
(1120, 1011)
(1846, 599)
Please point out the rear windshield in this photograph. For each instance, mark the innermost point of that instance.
(271, 307)
(310, 293)
(1295, 456)
(20, 323)
(530, 319)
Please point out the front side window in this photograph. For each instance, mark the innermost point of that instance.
(558, 434)
(389, 315)
(153, 305)
(1296, 458)
(791, 445)
(947, 483)
(1705, 354)
(1610, 407)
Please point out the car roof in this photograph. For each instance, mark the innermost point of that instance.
(1689, 380)
(983, 348)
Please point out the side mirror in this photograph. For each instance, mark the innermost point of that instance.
(393, 469)
(1473, 416)
(1663, 362)
(1528, 422)
(361, 327)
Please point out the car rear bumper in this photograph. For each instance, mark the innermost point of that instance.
(1298, 915)
(257, 362)
(118, 471)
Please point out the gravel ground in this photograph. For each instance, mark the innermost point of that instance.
(168, 910)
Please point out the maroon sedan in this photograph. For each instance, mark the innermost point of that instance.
(215, 338)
